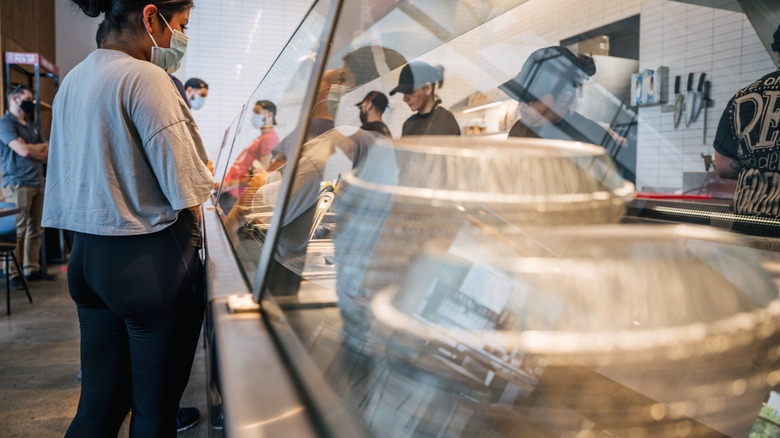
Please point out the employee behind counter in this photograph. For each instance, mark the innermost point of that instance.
(747, 145)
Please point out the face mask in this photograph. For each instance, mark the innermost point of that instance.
(197, 101)
(258, 120)
(169, 59)
(334, 96)
(363, 117)
(27, 106)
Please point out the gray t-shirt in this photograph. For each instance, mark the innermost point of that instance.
(125, 154)
(19, 170)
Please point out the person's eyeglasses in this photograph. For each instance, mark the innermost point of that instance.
(16, 89)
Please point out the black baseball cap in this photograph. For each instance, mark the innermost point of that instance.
(377, 98)
(547, 70)
(415, 75)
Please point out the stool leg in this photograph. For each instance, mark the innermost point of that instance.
(21, 274)
(7, 287)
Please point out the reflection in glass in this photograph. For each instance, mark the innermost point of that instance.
(285, 87)
(513, 324)
(221, 165)
(613, 328)
(421, 191)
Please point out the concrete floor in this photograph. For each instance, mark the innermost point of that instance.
(39, 361)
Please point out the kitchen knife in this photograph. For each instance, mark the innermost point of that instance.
(705, 102)
(690, 100)
(679, 102)
(698, 103)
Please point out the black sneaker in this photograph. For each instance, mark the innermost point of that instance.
(38, 275)
(186, 418)
(219, 421)
(16, 283)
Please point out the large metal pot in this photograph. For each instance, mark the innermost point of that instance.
(420, 191)
(637, 330)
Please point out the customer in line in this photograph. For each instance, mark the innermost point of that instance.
(747, 146)
(196, 91)
(255, 158)
(418, 82)
(187, 417)
(129, 184)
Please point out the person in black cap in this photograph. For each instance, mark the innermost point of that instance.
(418, 82)
(371, 109)
(747, 146)
(547, 88)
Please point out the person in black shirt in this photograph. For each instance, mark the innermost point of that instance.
(747, 147)
(371, 109)
(547, 88)
(418, 82)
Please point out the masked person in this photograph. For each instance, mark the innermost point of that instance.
(23, 150)
(129, 184)
(196, 91)
(360, 66)
(371, 109)
(255, 158)
(418, 82)
(547, 88)
(747, 147)
(187, 417)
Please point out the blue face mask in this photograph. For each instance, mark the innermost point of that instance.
(258, 120)
(169, 59)
(197, 101)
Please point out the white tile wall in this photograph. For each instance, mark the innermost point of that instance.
(686, 38)
(694, 39)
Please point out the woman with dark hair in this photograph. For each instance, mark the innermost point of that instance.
(547, 88)
(129, 184)
(418, 81)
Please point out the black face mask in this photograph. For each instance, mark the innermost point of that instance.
(363, 117)
(28, 106)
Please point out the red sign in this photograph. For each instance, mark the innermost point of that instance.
(21, 58)
(31, 59)
(49, 66)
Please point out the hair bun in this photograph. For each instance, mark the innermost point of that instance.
(439, 72)
(93, 8)
(587, 64)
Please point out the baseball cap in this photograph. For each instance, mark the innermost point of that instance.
(415, 75)
(547, 70)
(377, 98)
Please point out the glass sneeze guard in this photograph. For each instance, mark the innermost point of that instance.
(411, 270)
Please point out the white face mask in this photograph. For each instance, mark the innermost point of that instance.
(169, 59)
(335, 94)
(197, 101)
(258, 120)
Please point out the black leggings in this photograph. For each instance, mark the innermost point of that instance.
(140, 306)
